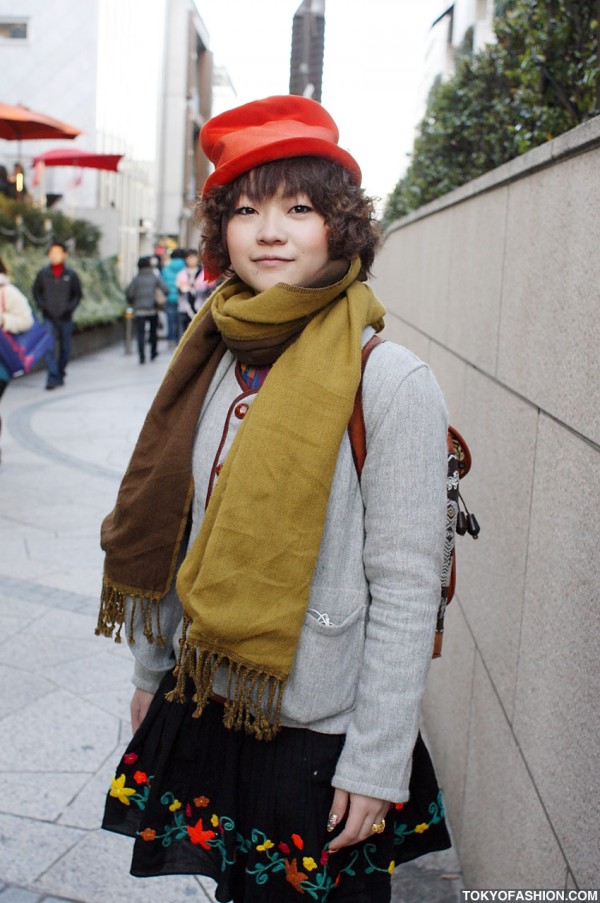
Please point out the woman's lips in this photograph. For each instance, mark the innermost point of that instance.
(271, 261)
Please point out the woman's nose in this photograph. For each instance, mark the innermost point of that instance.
(271, 228)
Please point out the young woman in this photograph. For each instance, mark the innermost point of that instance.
(281, 757)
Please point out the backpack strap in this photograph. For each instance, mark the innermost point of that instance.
(357, 431)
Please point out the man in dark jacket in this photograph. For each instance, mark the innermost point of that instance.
(57, 292)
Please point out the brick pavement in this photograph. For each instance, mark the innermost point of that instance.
(65, 693)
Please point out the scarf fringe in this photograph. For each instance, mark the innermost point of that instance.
(254, 696)
(113, 609)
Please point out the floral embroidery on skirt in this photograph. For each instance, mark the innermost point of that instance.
(200, 799)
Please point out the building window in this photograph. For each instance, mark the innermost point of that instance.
(13, 31)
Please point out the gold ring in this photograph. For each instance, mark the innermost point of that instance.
(378, 827)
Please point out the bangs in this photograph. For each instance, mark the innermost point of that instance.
(285, 178)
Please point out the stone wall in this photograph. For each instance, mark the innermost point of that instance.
(497, 286)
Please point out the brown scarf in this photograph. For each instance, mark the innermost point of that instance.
(245, 581)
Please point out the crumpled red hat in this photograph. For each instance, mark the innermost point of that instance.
(270, 129)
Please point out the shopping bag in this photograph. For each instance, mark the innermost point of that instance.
(19, 353)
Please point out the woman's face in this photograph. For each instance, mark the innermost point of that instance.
(281, 239)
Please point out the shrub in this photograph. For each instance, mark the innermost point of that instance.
(540, 79)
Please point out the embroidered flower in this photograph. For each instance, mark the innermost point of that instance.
(298, 841)
(266, 845)
(420, 829)
(391, 867)
(201, 802)
(399, 805)
(188, 811)
(293, 875)
(120, 791)
(130, 758)
(148, 834)
(309, 863)
(283, 847)
(175, 805)
(140, 777)
(324, 857)
(198, 835)
(214, 820)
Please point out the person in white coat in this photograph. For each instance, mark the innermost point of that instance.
(15, 317)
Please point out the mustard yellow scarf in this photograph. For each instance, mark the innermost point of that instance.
(245, 581)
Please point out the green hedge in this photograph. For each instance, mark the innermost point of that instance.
(103, 298)
(540, 79)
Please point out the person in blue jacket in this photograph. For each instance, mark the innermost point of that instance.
(169, 275)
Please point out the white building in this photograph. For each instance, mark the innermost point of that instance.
(135, 77)
(458, 21)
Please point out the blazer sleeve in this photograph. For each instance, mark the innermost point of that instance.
(404, 494)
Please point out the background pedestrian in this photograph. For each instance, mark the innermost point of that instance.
(141, 295)
(15, 317)
(169, 275)
(57, 292)
(193, 289)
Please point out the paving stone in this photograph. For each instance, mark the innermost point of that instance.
(102, 860)
(36, 794)
(57, 733)
(19, 895)
(19, 689)
(29, 847)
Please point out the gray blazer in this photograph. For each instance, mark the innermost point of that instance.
(365, 647)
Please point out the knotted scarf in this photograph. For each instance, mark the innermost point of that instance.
(245, 581)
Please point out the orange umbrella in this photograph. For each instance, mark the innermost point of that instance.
(19, 123)
(75, 156)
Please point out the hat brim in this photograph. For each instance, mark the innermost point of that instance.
(282, 149)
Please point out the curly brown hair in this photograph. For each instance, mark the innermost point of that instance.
(348, 212)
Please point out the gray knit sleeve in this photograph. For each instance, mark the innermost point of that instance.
(404, 494)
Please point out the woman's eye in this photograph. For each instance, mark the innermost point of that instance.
(301, 208)
(244, 211)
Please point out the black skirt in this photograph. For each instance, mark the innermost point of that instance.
(203, 800)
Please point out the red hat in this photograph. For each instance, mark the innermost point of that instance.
(270, 129)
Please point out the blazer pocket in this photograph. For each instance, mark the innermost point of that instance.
(324, 679)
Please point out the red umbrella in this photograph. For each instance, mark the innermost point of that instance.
(75, 156)
(19, 123)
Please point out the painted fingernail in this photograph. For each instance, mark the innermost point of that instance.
(332, 821)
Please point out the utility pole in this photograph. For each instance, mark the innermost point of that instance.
(308, 43)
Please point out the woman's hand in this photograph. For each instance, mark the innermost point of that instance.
(140, 703)
(363, 812)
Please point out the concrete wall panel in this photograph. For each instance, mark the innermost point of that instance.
(446, 709)
(556, 711)
(413, 274)
(506, 841)
(476, 263)
(550, 329)
(451, 373)
(397, 330)
(500, 430)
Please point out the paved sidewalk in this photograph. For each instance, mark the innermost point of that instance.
(64, 692)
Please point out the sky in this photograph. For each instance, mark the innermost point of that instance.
(374, 52)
